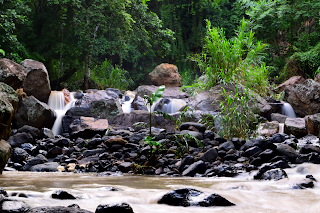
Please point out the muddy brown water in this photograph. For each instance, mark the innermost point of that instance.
(143, 192)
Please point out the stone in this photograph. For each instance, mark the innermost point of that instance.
(114, 208)
(5, 153)
(226, 146)
(20, 138)
(186, 161)
(165, 74)
(268, 129)
(253, 151)
(37, 82)
(136, 138)
(57, 209)
(313, 124)
(78, 94)
(278, 117)
(106, 95)
(274, 174)
(196, 167)
(287, 151)
(87, 127)
(39, 159)
(45, 167)
(185, 126)
(8, 107)
(62, 195)
(113, 141)
(125, 167)
(12, 73)
(19, 155)
(304, 97)
(195, 134)
(308, 148)
(209, 156)
(138, 104)
(169, 92)
(35, 132)
(34, 113)
(290, 82)
(11, 206)
(46, 133)
(88, 153)
(295, 126)
(192, 197)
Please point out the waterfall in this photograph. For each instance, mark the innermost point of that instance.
(168, 105)
(287, 110)
(57, 103)
(126, 101)
(281, 128)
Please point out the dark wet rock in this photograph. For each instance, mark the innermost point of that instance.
(209, 134)
(253, 151)
(192, 197)
(93, 143)
(125, 167)
(308, 148)
(112, 141)
(278, 117)
(53, 152)
(267, 154)
(87, 127)
(20, 138)
(46, 167)
(198, 126)
(63, 195)
(114, 208)
(3, 192)
(57, 209)
(309, 184)
(224, 171)
(274, 174)
(46, 133)
(19, 155)
(295, 126)
(261, 143)
(287, 151)
(195, 134)
(78, 94)
(34, 113)
(209, 156)
(280, 164)
(196, 167)
(136, 138)
(278, 138)
(39, 159)
(12, 206)
(12, 73)
(87, 153)
(5, 153)
(188, 160)
(226, 146)
(62, 142)
(35, 132)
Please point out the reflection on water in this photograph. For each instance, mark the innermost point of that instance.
(142, 192)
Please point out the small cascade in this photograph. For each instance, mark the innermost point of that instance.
(168, 105)
(126, 101)
(281, 128)
(287, 110)
(57, 103)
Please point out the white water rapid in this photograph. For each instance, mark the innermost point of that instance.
(126, 104)
(57, 103)
(143, 192)
(287, 110)
(172, 106)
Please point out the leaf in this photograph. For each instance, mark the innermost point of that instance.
(2, 52)
(157, 94)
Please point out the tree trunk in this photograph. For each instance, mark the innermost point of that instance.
(86, 75)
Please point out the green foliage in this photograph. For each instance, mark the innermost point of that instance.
(236, 117)
(182, 142)
(232, 60)
(2, 52)
(109, 76)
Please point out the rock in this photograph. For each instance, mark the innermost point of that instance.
(35, 132)
(268, 129)
(5, 153)
(19, 155)
(287, 151)
(125, 167)
(303, 97)
(226, 146)
(192, 197)
(62, 195)
(57, 209)
(169, 105)
(114, 208)
(290, 82)
(37, 82)
(313, 124)
(14, 206)
(78, 94)
(165, 74)
(138, 104)
(34, 113)
(66, 95)
(186, 161)
(195, 134)
(87, 127)
(8, 106)
(46, 167)
(3, 192)
(196, 167)
(113, 141)
(252, 151)
(136, 138)
(295, 126)
(308, 148)
(106, 95)
(185, 126)
(39, 159)
(12, 73)
(20, 138)
(278, 117)
(274, 174)
(46, 133)
(87, 153)
(209, 156)
(169, 92)
(278, 138)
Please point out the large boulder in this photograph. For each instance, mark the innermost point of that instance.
(209, 100)
(165, 74)
(169, 92)
(8, 106)
(98, 95)
(304, 97)
(290, 82)
(295, 126)
(5, 153)
(12, 73)
(313, 124)
(87, 127)
(37, 82)
(34, 113)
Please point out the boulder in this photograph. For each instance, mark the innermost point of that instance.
(274, 174)
(287, 151)
(304, 97)
(196, 167)
(268, 129)
(200, 127)
(114, 208)
(45, 167)
(19, 155)
(37, 82)
(8, 106)
(290, 82)
(87, 127)
(20, 138)
(12, 73)
(57, 209)
(165, 74)
(10, 206)
(295, 126)
(209, 156)
(5, 153)
(313, 124)
(169, 92)
(278, 117)
(34, 113)
(39, 159)
(192, 197)
(138, 104)
(108, 95)
(62, 195)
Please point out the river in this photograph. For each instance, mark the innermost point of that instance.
(143, 192)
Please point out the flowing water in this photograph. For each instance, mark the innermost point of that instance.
(287, 110)
(143, 192)
(57, 103)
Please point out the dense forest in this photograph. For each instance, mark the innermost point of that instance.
(103, 43)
